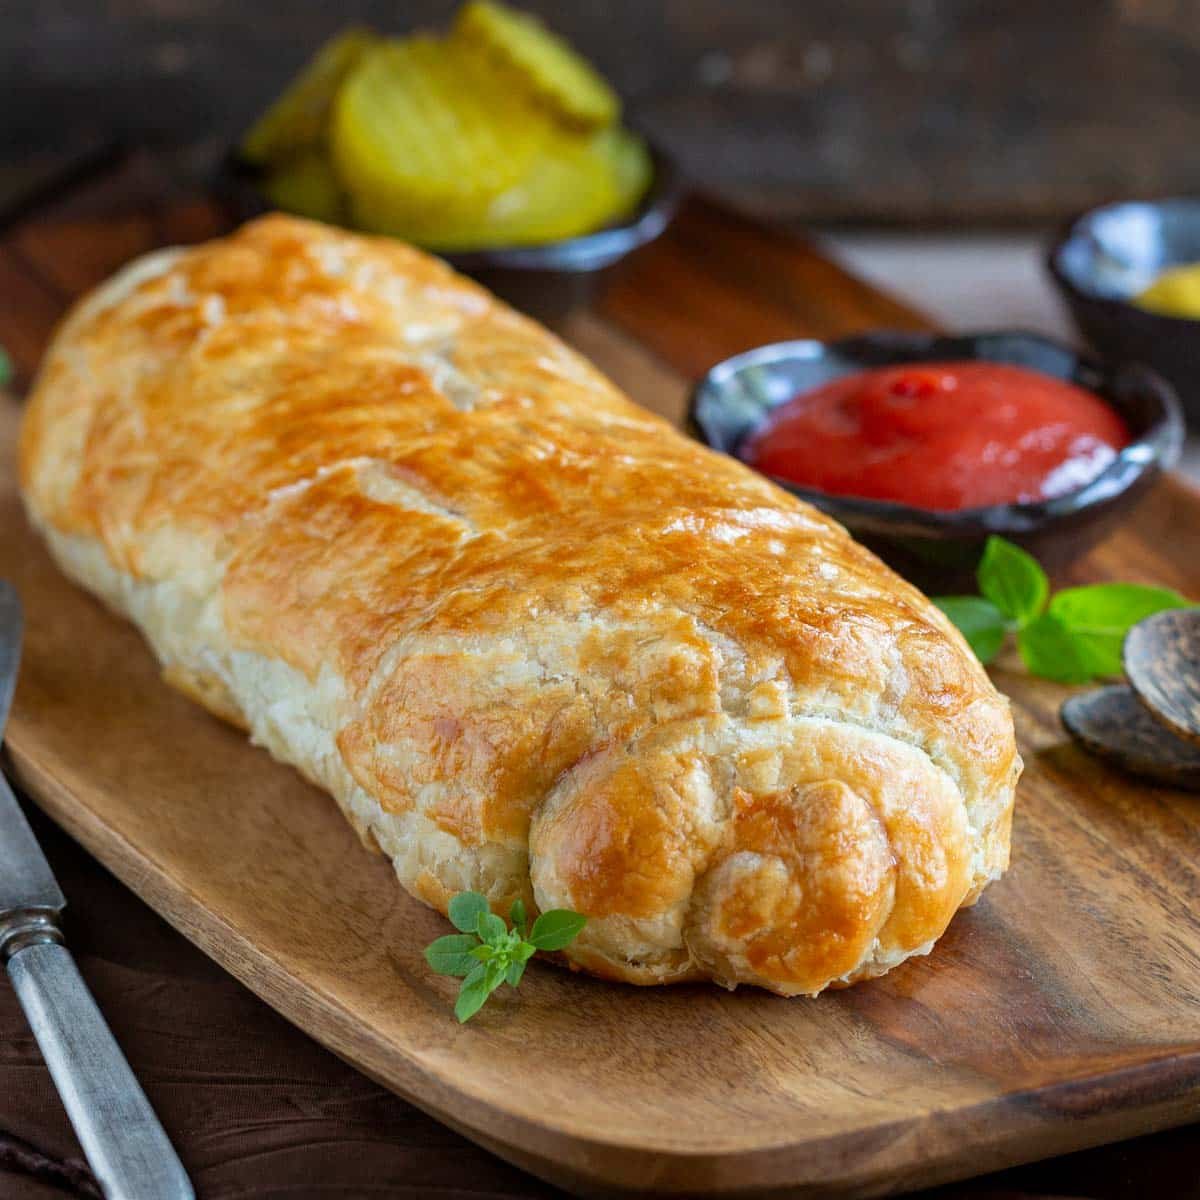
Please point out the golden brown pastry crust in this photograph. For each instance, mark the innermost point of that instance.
(533, 640)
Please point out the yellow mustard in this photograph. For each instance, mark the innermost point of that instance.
(1175, 293)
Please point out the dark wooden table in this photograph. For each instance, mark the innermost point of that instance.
(942, 110)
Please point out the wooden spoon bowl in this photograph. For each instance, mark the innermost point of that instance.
(1111, 723)
(1162, 662)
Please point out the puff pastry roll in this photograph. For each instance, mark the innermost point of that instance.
(534, 641)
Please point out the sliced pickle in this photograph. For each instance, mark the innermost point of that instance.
(631, 165)
(306, 185)
(297, 121)
(576, 185)
(580, 185)
(424, 130)
(563, 80)
(569, 190)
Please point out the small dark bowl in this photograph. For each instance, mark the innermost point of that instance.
(548, 281)
(1108, 255)
(939, 550)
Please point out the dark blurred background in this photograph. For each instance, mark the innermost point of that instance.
(916, 112)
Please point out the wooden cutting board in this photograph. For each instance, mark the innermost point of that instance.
(1062, 1011)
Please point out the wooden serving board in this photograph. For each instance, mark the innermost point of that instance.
(1062, 1011)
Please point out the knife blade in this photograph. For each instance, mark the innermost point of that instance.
(12, 626)
(126, 1147)
(27, 885)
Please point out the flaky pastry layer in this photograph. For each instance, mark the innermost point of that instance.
(534, 641)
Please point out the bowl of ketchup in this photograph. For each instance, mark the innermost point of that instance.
(923, 445)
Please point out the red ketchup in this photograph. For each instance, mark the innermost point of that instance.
(940, 435)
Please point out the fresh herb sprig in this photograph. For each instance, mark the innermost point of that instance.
(487, 953)
(1072, 636)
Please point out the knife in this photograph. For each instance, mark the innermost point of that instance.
(129, 1153)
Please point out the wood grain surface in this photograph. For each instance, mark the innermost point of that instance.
(843, 110)
(1063, 1011)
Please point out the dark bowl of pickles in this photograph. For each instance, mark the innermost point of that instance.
(492, 144)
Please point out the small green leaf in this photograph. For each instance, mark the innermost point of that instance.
(1049, 649)
(452, 954)
(6, 368)
(488, 953)
(1012, 580)
(494, 973)
(490, 927)
(978, 620)
(555, 929)
(1100, 615)
(472, 994)
(466, 909)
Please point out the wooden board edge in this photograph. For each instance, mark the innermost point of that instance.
(880, 1160)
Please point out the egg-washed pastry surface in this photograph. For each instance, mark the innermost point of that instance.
(534, 641)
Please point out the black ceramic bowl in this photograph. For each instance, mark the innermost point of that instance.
(939, 550)
(1108, 255)
(547, 281)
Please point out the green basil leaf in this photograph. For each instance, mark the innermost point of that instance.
(452, 954)
(1101, 614)
(472, 994)
(515, 971)
(517, 916)
(978, 620)
(555, 929)
(466, 909)
(483, 953)
(490, 927)
(1049, 649)
(495, 972)
(6, 368)
(524, 951)
(1012, 580)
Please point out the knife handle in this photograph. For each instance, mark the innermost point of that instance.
(125, 1145)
